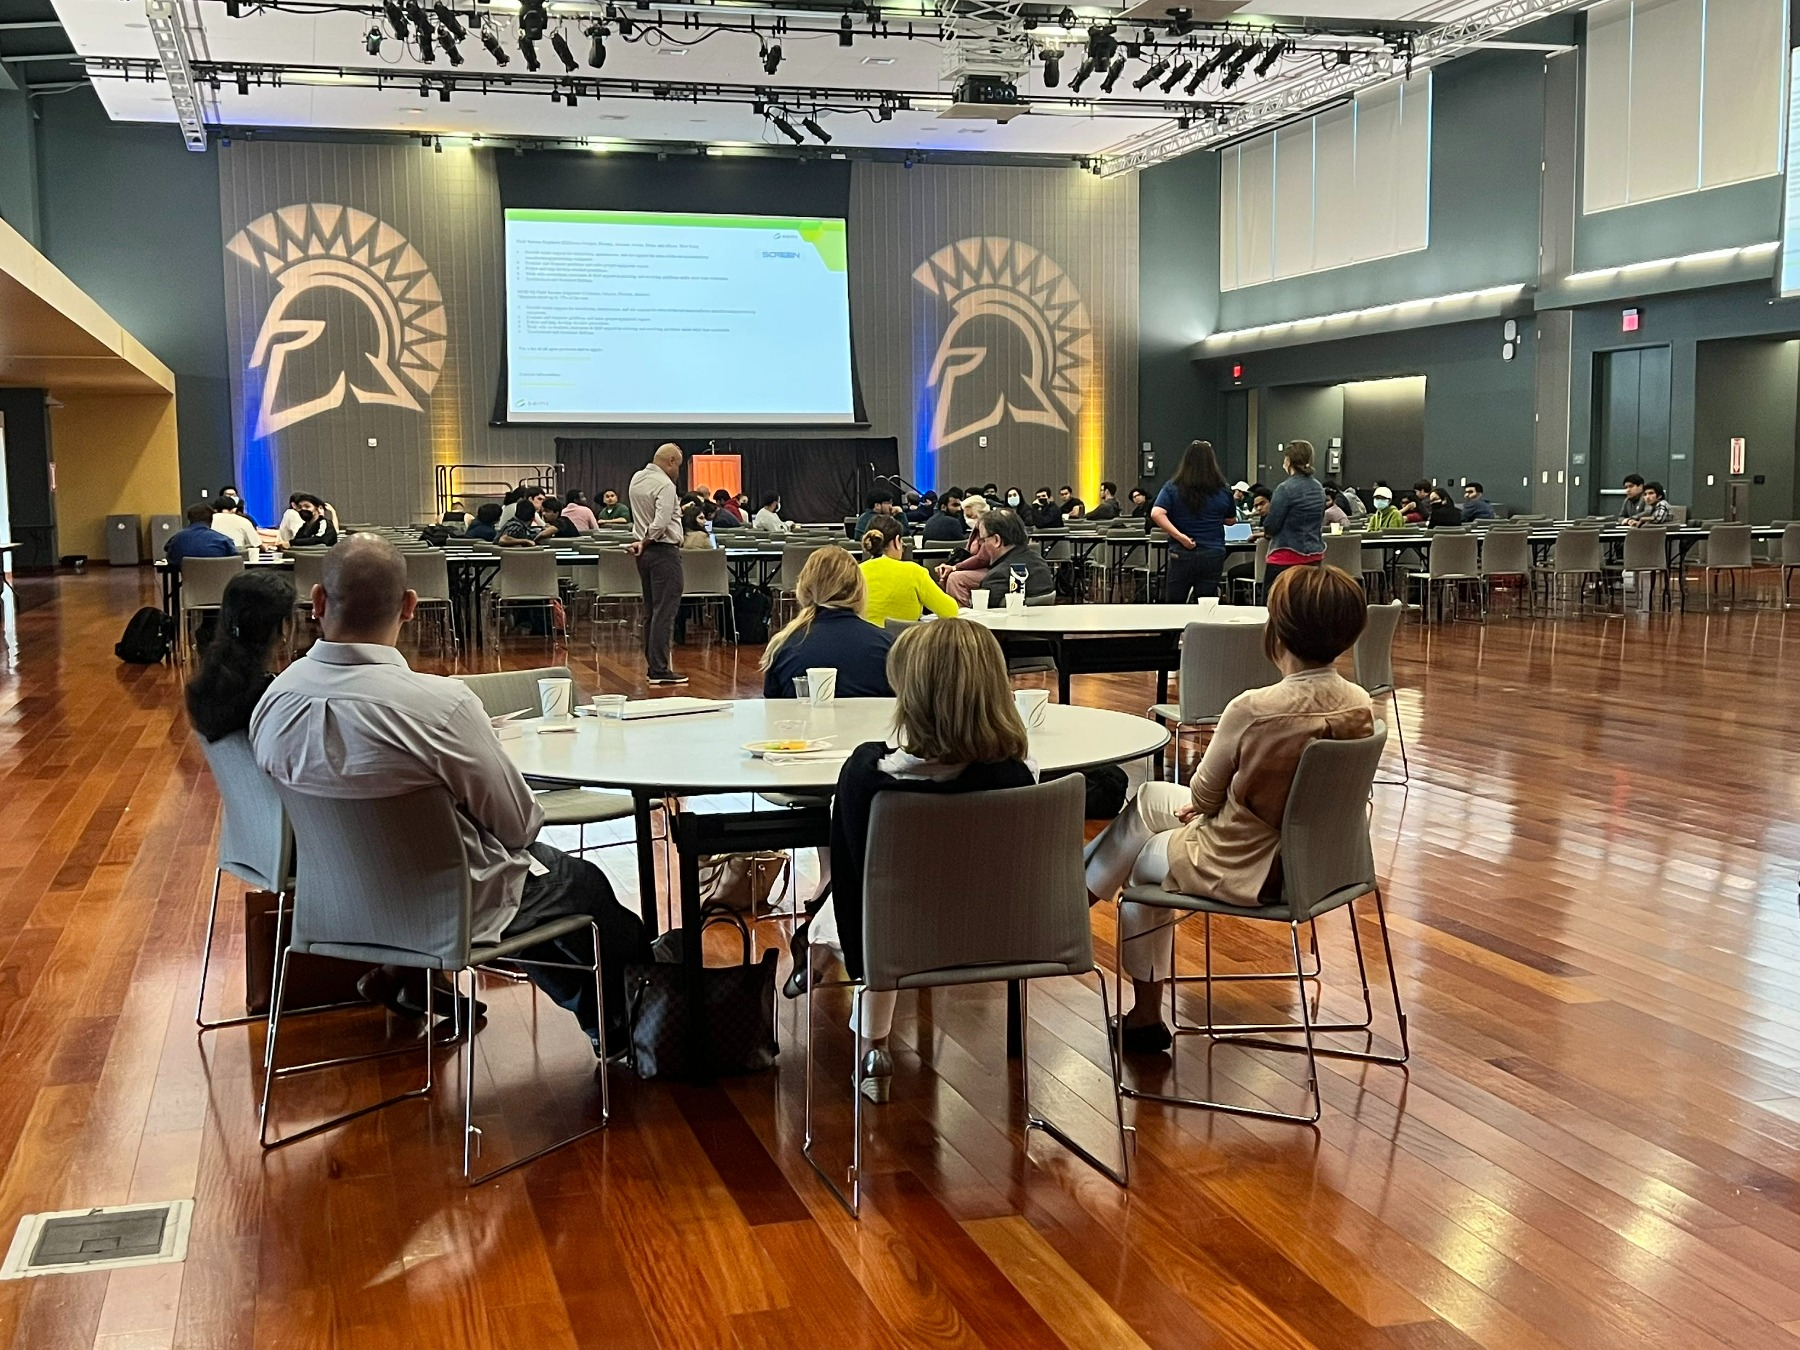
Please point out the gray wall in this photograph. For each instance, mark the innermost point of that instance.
(1746, 387)
(1384, 434)
(1178, 303)
(18, 162)
(1298, 413)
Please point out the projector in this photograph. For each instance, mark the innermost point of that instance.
(992, 98)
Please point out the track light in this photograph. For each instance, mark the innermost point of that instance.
(437, 145)
(448, 21)
(444, 91)
(1086, 69)
(771, 57)
(396, 17)
(1269, 58)
(786, 128)
(1177, 75)
(845, 35)
(1066, 19)
(1152, 75)
(560, 45)
(491, 41)
(243, 83)
(451, 50)
(1052, 67)
(817, 130)
(372, 42)
(1116, 69)
(1216, 58)
(596, 52)
(528, 52)
(1193, 85)
(573, 96)
(534, 18)
(1242, 58)
(427, 53)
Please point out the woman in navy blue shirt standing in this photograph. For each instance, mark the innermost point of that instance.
(1193, 509)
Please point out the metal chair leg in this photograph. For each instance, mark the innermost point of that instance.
(852, 1202)
(212, 919)
(1120, 1175)
(1400, 733)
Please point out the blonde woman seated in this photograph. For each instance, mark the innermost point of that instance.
(1221, 836)
(975, 506)
(829, 630)
(956, 729)
(897, 589)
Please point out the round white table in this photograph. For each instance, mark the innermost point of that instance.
(1110, 639)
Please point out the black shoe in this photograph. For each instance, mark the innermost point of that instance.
(657, 681)
(822, 960)
(1154, 1039)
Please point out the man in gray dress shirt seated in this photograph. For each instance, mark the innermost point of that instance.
(350, 719)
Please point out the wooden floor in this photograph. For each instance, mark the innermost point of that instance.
(1592, 884)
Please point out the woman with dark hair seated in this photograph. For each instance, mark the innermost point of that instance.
(1221, 836)
(236, 667)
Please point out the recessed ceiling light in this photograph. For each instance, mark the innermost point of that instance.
(878, 60)
(671, 51)
(609, 117)
(413, 112)
(973, 131)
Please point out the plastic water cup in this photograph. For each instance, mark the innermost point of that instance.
(1015, 602)
(980, 599)
(556, 699)
(821, 684)
(609, 705)
(801, 688)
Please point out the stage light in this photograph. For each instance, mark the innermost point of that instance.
(427, 53)
(1216, 58)
(560, 45)
(786, 128)
(573, 96)
(1181, 22)
(243, 82)
(1343, 56)
(817, 130)
(1270, 57)
(625, 22)
(596, 53)
(534, 18)
(1086, 69)
(372, 42)
(1066, 19)
(494, 49)
(233, 10)
(1242, 58)
(528, 52)
(1052, 67)
(437, 145)
(444, 91)
(1193, 85)
(451, 50)
(1152, 75)
(1177, 75)
(448, 21)
(416, 12)
(396, 17)
(771, 57)
(845, 35)
(1116, 69)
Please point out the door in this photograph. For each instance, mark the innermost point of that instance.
(1234, 449)
(1631, 423)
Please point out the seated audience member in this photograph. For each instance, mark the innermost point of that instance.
(726, 511)
(1474, 505)
(768, 520)
(577, 512)
(229, 521)
(1107, 508)
(554, 522)
(1240, 500)
(523, 529)
(487, 523)
(1071, 506)
(1334, 514)
(1221, 836)
(1633, 505)
(693, 527)
(1043, 514)
(1352, 502)
(199, 539)
(611, 508)
(914, 509)
(1140, 504)
(1385, 516)
(948, 526)
(1443, 512)
(956, 729)
(1656, 508)
(897, 589)
(457, 517)
(290, 522)
(1014, 500)
(1002, 541)
(317, 527)
(829, 630)
(237, 666)
(350, 720)
(231, 498)
(881, 503)
(1260, 499)
(1413, 508)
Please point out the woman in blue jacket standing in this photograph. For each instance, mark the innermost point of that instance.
(1296, 520)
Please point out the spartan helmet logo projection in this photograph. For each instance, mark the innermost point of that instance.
(1018, 346)
(338, 268)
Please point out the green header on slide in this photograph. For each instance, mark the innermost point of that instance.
(827, 236)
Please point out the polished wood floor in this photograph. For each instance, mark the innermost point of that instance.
(1592, 883)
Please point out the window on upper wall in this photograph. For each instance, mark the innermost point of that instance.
(1342, 187)
(1681, 95)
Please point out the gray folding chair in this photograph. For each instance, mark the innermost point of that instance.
(527, 580)
(617, 584)
(386, 880)
(794, 554)
(1575, 554)
(1506, 552)
(1452, 567)
(1727, 551)
(1646, 555)
(1373, 656)
(510, 691)
(1326, 864)
(203, 582)
(1344, 552)
(1219, 661)
(706, 580)
(428, 577)
(1032, 923)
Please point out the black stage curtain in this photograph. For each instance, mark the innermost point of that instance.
(825, 478)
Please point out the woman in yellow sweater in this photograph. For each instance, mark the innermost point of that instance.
(898, 589)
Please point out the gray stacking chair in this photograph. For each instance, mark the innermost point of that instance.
(1326, 864)
(616, 583)
(1219, 661)
(1647, 554)
(1032, 923)
(527, 579)
(1576, 554)
(203, 582)
(1727, 551)
(428, 577)
(706, 580)
(386, 880)
(1506, 552)
(1453, 565)
(510, 691)
(1373, 656)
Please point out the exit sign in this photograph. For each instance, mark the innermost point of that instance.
(1629, 320)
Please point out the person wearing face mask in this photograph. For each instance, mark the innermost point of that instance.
(1015, 499)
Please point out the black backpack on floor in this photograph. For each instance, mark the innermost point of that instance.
(147, 637)
(750, 610)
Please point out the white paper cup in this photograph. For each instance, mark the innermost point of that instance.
(821, 684)
(980, 599)
(1031, 704)
(556, 699)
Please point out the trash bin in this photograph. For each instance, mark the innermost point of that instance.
(124, 541)
(161, 527)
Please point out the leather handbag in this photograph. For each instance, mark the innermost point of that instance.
(312, 981)
(738, 1009)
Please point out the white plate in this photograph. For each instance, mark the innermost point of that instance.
(785, 747)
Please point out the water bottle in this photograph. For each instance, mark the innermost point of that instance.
(1015, 586)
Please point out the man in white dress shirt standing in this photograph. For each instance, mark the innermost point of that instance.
(656, 543)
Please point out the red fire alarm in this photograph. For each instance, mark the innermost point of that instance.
(1629, 320)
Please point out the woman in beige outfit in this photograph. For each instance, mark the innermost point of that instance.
(1221, 838)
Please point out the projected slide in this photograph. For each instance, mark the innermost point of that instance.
(621, 316)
